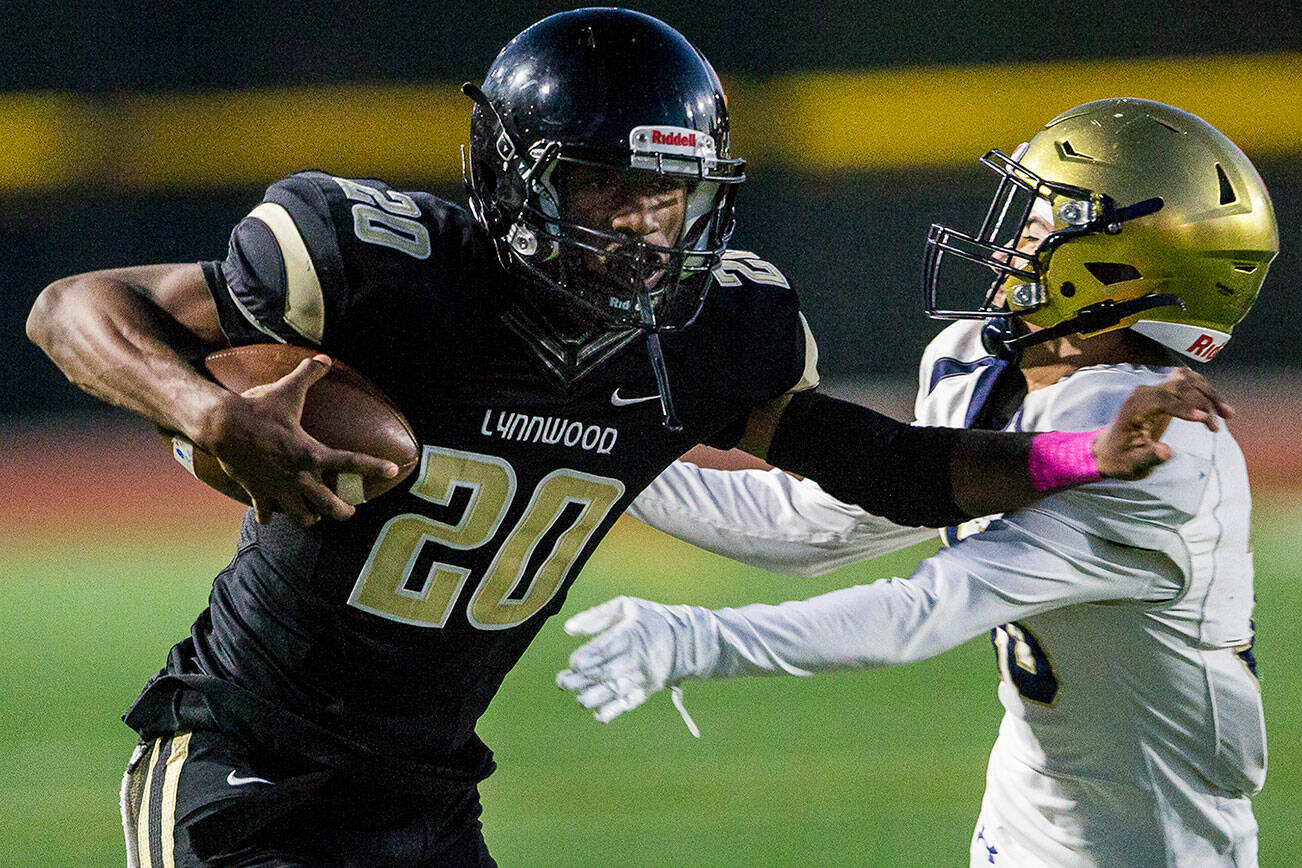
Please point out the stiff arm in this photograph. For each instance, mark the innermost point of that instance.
(916, 475)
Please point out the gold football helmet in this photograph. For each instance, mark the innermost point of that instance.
(1151, 219)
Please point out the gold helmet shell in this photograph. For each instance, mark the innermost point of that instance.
(1155, 215)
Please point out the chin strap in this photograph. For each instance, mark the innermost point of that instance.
(657, 355)
(998, 339)
(996, 334)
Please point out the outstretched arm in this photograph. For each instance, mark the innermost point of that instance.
(939, 476)
(129, 335)
(1018, 568)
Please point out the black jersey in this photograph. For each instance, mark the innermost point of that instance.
(388, 634)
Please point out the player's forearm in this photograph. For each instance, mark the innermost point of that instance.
(887, 623)
(859, 456)
(956, 594)
(989, 472)
(120, 347)
(916, 475)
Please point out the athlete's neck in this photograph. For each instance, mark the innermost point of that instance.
(1047, 363)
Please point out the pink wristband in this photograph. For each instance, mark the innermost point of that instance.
(1058, 459)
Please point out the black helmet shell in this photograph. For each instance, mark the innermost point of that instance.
(615, 88)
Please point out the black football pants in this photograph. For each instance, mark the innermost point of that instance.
(202, 799)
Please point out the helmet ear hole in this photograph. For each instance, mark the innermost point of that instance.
(1108, 273)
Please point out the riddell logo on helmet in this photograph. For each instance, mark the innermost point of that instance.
(678, 140)
(1205, 347)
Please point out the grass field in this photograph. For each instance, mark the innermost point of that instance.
(882, 768)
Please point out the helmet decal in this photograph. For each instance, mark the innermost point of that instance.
(659, 149)
(1199, 344)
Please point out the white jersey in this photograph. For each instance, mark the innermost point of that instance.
(1120, 612)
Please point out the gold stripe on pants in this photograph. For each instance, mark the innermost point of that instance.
(180, 750)
(142, 819)
(171, 776)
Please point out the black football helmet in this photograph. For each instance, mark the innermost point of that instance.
(619, 91)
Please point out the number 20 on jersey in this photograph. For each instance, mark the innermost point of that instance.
(530, 565)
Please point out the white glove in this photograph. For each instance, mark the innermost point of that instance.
(642, 648)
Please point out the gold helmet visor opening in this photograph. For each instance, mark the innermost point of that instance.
(956, 262)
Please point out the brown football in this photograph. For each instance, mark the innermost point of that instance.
(344, 410)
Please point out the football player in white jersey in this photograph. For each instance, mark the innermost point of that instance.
(1127, 236)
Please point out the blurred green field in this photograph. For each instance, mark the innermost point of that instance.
(882, 768)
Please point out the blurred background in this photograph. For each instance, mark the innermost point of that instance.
(142, 133)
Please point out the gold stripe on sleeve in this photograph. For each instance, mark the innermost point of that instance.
(304, 301)
(171, 777)
(810, 378)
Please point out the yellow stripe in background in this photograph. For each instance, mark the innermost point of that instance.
(945, 115)
(47, 140)
(874, 119)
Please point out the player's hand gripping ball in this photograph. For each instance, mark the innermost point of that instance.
(343, 410)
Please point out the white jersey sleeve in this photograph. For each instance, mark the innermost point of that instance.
(773, 520)
(768, 519)
(1022, 565)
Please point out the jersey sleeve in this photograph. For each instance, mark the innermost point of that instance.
(760, 345)
(809, 376)
(319, 248)
(767, 519)
(1021, 566)
(283, 275)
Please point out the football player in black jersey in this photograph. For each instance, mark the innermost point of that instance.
(554, 348)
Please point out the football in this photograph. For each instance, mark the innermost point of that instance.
(343, 410)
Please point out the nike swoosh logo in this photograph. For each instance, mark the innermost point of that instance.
(236, 781)
(624, 402)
